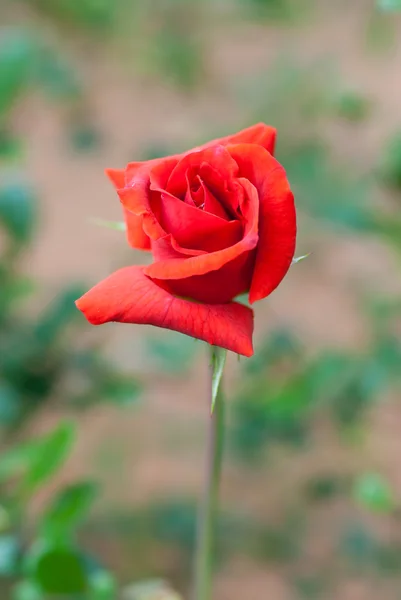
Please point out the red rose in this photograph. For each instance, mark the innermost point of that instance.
(219, 221)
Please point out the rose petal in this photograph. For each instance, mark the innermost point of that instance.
(136, 236)
(136, 200)
(128, 296)
(228, 191)
(277, 220)
(136, 197)
(202, 197)
(211, 204)
(220, 286)
(133, 167)
(194, 228)
(217, 156)
(181, 268)
(260, 134)
(116, 176)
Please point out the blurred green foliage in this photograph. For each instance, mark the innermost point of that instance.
(277, 10)
(352, 106)
(285, 394)
(46, 559)
(38, 360)
(389, 5)
(390, 167)
(92, 14)
(374, 493)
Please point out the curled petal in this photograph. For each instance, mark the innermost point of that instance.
(129, 296)
(211, 204)
(277, 218)
(194, 228)
(260, 134)
(215, 155)
(181, 268)
(217, 287)
(117, 177)
(136, 236)
(136, 200)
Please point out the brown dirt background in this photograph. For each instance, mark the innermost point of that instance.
(159, 447)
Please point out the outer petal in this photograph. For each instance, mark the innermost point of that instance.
(218, 287)
(136, 236)
(136, 196)
(128, 296)
(117, 177)
(260, 134)
(277, 217)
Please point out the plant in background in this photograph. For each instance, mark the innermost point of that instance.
(283, 394)
(220, 221)
(277, 10)
(46, 560)
(37, 361)
(268, 409)
(389, 5)
(390, 165)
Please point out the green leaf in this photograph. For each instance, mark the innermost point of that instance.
(56, 76)
(57, 570)
(346, 198)
(359, 545)
(18, 210)
(389, 5)
(27, 590)
(68, 509)
(102, 586)
(17, 460)
(53, 452)
(352, 106)
(85, 137)
(58, 315)
(119, 389)
(91, 14)
(374, 493)
(172, 352)
(116, 225)
(218, 361)
(10, 147)
(9, 404)
(5, 518)
(390, 162)
(38, 460)
(177, 55)
(150, 590)
(16, 52)
(299, 258)
(9, 555)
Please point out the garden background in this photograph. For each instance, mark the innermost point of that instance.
(102, 429)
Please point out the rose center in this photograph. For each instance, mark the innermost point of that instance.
(198, 194)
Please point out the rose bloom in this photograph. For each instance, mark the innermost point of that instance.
(220, 221)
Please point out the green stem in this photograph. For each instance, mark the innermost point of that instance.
(208, 510)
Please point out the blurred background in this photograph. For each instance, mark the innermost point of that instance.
(102, 429)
